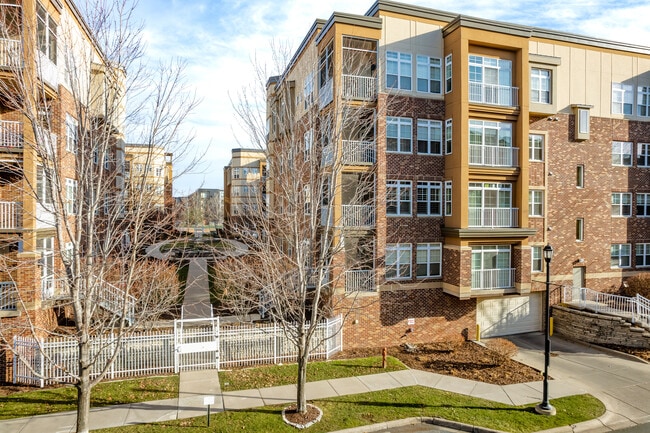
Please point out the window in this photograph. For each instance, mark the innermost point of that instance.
(621, 204)
(46, 33)
(540, 86)
(643, 205)
(620, 255)
(429, 198)
(429, 260)
(159, 171)
(622, 98)
(325, 66)
(308, 91)
(306, 193)
(398, 261)
(490, 80)
(448, 136)
(583, 117)
(399, 132)
(398, 197)
(580, 176)
(43, 191)
(643, 101)
(535, 203)
(490, 143)
(46, 247)
(580, 229)
(398, 70)
(643, 155)
(429, 74)
(71, 196)
(536, 258)
(71, 134)
(309, 141)
(448, 196)
(536, 147)
(490, 205)
(235, 173)
(642, 255)
(622, 153)
(491, 267)
(429, 137)
(448, 70)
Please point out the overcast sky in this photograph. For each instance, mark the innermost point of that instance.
(220, 39)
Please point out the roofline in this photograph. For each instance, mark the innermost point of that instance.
(317, 25)
(352, 19)
(248, 149)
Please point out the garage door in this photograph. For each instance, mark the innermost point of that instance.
(509, 315)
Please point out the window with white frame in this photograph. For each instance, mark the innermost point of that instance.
(448, 198)
(643, 101)
(448, 71)
(71, 196)
(46, 247)
(399, 134)
(580, 176)
(326, 66)
(643, 155)
(580, 229)
(429, 137)
(398, 70)
(490, 204)
(490, 143)
(159, 170)
(429, 74)
(622, 98)
(491, 267)
(398, 261)
(620, 256)
(540, 85)
(536, 259)
(429, 198)
(448, 136)
(428, 260)
(622, 153)
(398, 197)
(536, 203)
(71, 134)
(235, 173)
(490, 80)
(643, 205)
(46, 33)
(642, 257)
(308, 91)
(621, 204)
(536, 147)
(309, 141)
(43, 191)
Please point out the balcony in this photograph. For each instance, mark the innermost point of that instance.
(8, 296)
(357, 152)
(493, 156)
(493, 217)
(10, 215)
(359, 87)
(489, 279)
(11, 134)
(358, 215)
(493, 94)
(360, 281)
(9, 53)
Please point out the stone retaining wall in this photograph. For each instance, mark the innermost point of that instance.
(598, 328)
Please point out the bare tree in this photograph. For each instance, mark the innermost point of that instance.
(86, 214)
(310, 232)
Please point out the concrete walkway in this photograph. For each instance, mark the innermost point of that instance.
(196, 302)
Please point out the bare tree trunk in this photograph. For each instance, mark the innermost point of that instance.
(303, 358)
(83, 388)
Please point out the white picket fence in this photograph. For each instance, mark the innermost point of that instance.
(637, 308)
(55, 360)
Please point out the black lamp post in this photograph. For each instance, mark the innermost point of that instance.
(545, 408)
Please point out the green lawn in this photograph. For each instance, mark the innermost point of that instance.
(370, 408)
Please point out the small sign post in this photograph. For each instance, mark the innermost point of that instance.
(208, 400)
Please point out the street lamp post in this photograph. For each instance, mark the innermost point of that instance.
(545, 408)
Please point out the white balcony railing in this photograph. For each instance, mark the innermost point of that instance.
(493, 156)
(358, 215)
(493, 217)
(8, 296)
(11, 134)
(326, 94)
(360, 281)
(487, 279)
(494, 94)
(357, 152)
(360, 88)
(10, 215)
(9, 53)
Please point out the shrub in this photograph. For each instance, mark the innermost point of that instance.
(639, 283)
(504, 348)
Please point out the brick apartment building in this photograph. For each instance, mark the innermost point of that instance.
(487, 141)
(243, 187)
(148, 171)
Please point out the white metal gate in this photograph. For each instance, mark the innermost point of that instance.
(196, 343)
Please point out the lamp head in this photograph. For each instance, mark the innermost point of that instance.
(548, 253)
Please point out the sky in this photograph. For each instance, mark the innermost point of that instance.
(222, 40)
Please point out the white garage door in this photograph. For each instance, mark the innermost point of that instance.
(509, 315)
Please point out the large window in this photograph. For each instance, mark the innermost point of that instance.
(46, 33)
(398, 197)
(491, 267)
(622, 153)
(490, 143)
(643, 101)
(643, 155)
(429, 198)
(398, 261)
(642, 258)
(429, 260)
(540, 86)
(643, 205)
(536, 147)
(71, 196)
(429, 74)
(536, 259)
(622, 98)
(398, 70)
(536, 203)
(490, 80)
(326, 66)
(620, 256)
(490, 205)
(621, 204)
(71, 128)
(43, 191)
(429, 137)
(399, 134)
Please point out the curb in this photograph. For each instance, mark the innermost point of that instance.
(418, 420)
(614, 352)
